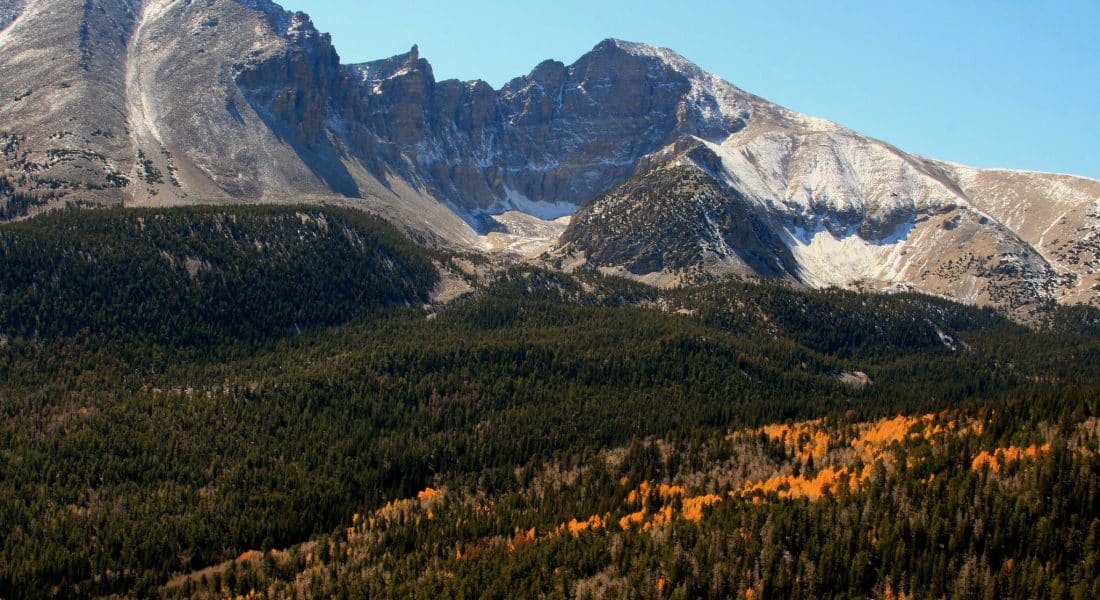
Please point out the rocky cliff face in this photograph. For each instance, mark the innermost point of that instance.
(558, 136)
(681, 174)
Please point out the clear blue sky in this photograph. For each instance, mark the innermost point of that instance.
(994, 83)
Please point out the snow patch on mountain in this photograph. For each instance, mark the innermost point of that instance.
(548, 211)
(842, 261)
(841, 178)
(520, 226)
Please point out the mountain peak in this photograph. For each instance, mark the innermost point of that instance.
(638, 48)
(627, 46)
(641, 50)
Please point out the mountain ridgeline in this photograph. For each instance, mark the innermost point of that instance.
(112, 119)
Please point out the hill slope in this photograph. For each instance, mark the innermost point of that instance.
(194, 277)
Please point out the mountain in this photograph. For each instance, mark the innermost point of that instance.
(659, 169)
(710, 208)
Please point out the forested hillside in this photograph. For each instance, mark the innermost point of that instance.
(996, 503)
(183, 388)
(201, 277)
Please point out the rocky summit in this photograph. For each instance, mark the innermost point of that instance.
(632, 159)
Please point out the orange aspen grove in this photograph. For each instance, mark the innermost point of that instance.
(1003, 456)
(633, 519)
(693, 507)
(575, 527)
(797, 486)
